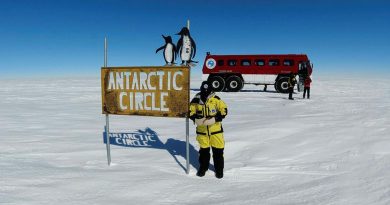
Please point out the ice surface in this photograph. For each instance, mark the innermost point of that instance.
(331, 149)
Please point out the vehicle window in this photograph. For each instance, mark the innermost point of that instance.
(273, 62)
(301, 64)
(245, 62)
(232, 62)
(288, 62)
(220, 62)
(260, 62)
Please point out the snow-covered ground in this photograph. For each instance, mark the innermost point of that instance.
(331, 149)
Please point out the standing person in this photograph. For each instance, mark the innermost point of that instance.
(265, 88)
(304, 68)
(207, 110)
(291, 83)
(307, 87)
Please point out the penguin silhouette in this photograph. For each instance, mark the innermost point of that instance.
(169, 50)
(186, 47)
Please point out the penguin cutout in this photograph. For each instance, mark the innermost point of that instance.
(169, 50)
(186, 47)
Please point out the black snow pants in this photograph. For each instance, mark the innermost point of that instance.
(204, 159)
(308, 92)
(290, 93)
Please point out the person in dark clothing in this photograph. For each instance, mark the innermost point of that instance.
(307, 87)
(207, 110)
(291, 83)
(304, 68)
(265, 88)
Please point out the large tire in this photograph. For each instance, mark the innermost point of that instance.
(234, 84)
(281, 85)
(217, 82)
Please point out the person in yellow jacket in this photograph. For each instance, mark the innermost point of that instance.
(291, 83)
(207, 110)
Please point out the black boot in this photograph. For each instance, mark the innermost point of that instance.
(204, 161)
(219, 175)
(290, 93)
(218, 162)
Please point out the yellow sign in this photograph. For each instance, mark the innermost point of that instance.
(150, 91)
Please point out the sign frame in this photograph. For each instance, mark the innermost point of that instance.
(172, 100)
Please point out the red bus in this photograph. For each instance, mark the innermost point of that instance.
(230, 72)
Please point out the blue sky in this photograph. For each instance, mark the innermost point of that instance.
(61, 38)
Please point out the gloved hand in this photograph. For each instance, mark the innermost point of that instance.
(219, 117)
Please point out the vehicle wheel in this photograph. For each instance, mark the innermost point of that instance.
(282, 85)
(217, 82)
(234, 84)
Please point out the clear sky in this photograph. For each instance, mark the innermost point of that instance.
(56, 38)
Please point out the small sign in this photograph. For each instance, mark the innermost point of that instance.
(211, 63)
(149, 91)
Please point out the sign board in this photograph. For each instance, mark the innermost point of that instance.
(149, 91)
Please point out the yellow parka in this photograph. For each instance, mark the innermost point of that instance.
(210, 135)
(292, 81)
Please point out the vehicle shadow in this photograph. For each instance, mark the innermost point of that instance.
(246, 91)
(148, 138)
(259, 91)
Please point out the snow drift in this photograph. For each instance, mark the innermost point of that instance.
(331, 149)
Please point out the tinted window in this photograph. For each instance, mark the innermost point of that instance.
(245, 62)
(273, 62)
(232, 62)
(260, 62)
(288, 62)
(220, 63)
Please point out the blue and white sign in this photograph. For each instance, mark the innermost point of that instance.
(133, 139)
(211, 63)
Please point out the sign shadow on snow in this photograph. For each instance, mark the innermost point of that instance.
(148, 138)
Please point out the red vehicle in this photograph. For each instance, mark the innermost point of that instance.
(231, 72)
